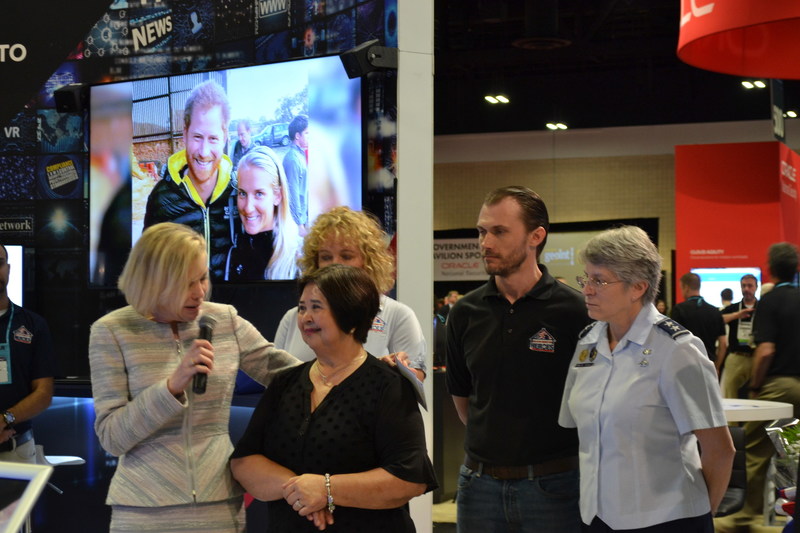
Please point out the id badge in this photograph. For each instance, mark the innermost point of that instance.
(5, 364)
(744, 333)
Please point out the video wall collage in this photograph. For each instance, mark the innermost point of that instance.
(47, 160)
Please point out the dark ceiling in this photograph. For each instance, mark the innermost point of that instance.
(587, 63)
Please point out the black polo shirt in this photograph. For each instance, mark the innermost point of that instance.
(702, 319)
(511, 361)
(777, 322)
(734, 346)
(31, 356)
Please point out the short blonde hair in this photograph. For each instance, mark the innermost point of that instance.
(155, 277)
(359, 229)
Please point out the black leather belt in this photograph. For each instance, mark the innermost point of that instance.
(16, 440)
(554, 466)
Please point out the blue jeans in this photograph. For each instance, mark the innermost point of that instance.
(543, 504)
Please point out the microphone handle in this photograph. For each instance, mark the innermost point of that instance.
(199, 381)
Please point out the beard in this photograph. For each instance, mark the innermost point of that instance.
(505, 266)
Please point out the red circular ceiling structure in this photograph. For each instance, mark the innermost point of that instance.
(751, 38)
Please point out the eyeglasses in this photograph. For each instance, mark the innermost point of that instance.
(597, 284)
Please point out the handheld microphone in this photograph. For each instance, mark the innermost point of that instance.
(207, 324)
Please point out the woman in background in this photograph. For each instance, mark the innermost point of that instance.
(340, 433)
(172, 443)
(642, 393)
(270, 242)
(355, 238)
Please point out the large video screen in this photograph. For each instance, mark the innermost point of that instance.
(291, 149)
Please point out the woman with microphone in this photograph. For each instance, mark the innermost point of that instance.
(172, 441)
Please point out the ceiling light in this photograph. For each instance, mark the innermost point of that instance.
(791, 114)
(551, 126)
(760, 84)
(502, 99)
(556, 126)
(490, 99)
(561, 126)
(747, 84)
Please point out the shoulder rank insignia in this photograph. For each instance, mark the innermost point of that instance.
(585, 331)
(672, 328)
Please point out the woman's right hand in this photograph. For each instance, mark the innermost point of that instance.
(198, 359)
(322, 519)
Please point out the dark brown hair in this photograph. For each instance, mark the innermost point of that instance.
(352, 297)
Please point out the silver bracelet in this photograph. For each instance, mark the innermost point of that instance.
(331, 506)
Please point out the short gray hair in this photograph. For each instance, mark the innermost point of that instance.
(629, 253)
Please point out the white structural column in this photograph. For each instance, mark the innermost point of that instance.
(415, 192)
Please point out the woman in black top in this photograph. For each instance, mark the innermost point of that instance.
(342, 432)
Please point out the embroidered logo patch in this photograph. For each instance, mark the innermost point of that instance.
(23, 335)
(378, 325)
(542, 342)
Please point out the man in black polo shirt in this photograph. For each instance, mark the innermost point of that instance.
(776, 365)
(701, 318)
(739, 317)
(26, 373)
(509, 345)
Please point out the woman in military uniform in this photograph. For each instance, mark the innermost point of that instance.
(642, 394)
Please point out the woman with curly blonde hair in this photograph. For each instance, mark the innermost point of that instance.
(355, 238)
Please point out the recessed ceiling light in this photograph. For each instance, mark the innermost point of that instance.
(747, 84)
(760, 84)
(490, 99)
(791, 114)
(551, 126)
(561, 126)
(502, 99)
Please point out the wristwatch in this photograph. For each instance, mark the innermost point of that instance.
(9, 418)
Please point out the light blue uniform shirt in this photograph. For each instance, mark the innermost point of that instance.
(635, 409)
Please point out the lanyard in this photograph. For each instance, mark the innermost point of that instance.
(10, 318)
(698, 300)
(5, 353)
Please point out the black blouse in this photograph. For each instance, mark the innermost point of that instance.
(369, 420)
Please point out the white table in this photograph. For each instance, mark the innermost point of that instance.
(738, 410)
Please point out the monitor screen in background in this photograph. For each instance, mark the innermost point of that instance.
(560, 256)
(16, 276)
(713, 280)
(136, 126)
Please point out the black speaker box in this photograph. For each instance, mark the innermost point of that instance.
(71, 98)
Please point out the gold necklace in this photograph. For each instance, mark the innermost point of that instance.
(326, 379)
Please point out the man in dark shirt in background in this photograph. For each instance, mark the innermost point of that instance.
(776, 371)
(701, 318)
(509, 345)
(26, 372)
(738, 362)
